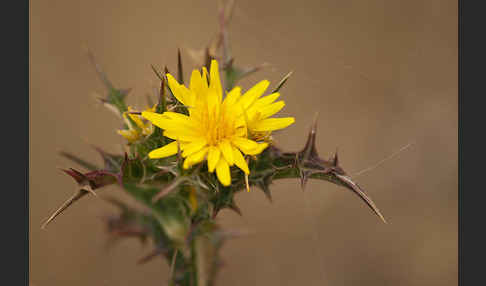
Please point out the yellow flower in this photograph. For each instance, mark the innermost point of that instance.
(258, 110)
(143, 128)
(216, 130)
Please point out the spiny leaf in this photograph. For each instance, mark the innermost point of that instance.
(94, 179)
(306, 164)
(87, 182)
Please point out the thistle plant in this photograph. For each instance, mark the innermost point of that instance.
(190, 153)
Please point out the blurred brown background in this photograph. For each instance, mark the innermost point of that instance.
(381, 73)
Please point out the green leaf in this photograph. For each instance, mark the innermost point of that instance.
(169, 211)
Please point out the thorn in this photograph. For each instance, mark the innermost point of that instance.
(208, 59)
(359, 192)
(81, 193)
(383, 161)
(246, 72)
(309, 152)
(172, 265)
(304, 178)
(89, 189)
(180, 74)
(268, 195)
(314, 122)
(335, 160)
(162, 98)
(282, 82)
(157, 73)
(235, 208)
(79, 177)
(266, 190)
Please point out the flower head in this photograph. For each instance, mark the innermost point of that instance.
(141, 128)
(217, 130)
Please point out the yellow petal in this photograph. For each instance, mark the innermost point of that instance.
(180, 119)
(175, 87)
(271, 109)
(254, 111)
(213, 158)
(148, 129)
(195, 158)
(187, 137)
(223, 172)
(213, 103)
(205, 77)
(138, 121)
(157, 119)
(245, 145)
(193, 147)
(259, 149)
(232, 96)
(271, 124)
(240, 161)
(266, 100)
(254, 93)
(196, 83)
(225, 148)
(130, 135)
(214, 80)
(166, 151)
(189, 97)
(172, 121)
